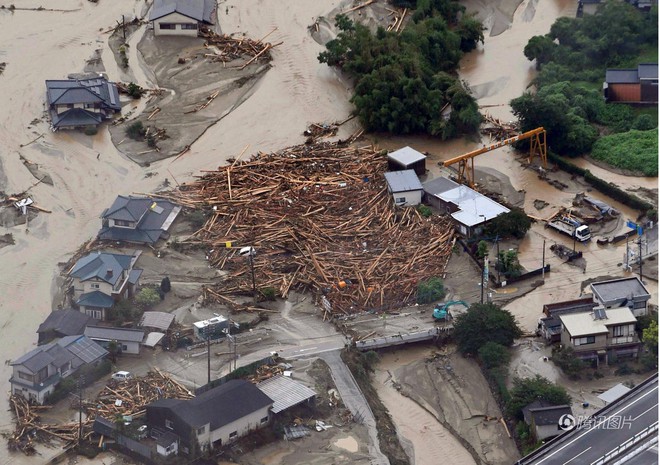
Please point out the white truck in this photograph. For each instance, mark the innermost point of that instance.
(571, 227)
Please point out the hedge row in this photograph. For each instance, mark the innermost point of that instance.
(602, 186)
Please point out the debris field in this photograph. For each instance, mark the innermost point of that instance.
(319, 218)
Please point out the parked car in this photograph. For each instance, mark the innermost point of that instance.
(122, 376)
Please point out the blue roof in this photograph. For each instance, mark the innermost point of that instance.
(93, 90)
(107, 267)
(201, 10)
(83, 347)
(75, 117)
(95, 299)
(150, 215)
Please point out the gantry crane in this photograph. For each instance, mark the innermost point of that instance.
(537, 146)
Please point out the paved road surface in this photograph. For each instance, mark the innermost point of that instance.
(355, 401)
(613, 426)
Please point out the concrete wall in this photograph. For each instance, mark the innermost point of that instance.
(410, 198)
(178, 20)
(547, 431)
(242, 426)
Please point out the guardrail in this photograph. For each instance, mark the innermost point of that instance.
(618, 450)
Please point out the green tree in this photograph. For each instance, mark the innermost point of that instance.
(514, 223)
(541, 49)
(482, 249)
(430, 291)
(471, 32)
(147, 297)
(494, 355)
(571, 365)
(165, 285)
(508, 265)
(484, 323)
(650, 337)
(525, 391)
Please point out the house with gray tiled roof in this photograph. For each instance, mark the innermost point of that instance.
(81, 103)
(100, 279)
(62, 323)
(217, 417)
(622, 292)
(141, 220)
(128, 340)
(36, 373)
(182, 17)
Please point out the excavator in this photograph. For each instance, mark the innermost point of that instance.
(441, 311)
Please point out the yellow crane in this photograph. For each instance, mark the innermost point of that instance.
(537, 146)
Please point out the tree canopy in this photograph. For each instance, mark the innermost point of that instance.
(403, 82)
(514, 223)
(525, 391)
(484, 323)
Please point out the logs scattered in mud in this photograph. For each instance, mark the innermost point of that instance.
(320, 218)
(229, 48)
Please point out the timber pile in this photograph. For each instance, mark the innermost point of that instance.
(317, 130)
(498, 129)
(232, 48)
(265, 372)
(29, 428)
(134, 395)
(320, 219)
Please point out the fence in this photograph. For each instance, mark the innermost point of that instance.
(238, 373)
(522, 277)
(620, 449)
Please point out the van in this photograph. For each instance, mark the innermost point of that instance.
(122, 376)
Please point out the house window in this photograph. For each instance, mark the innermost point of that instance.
(617, 331)
(400, 200)
(639, 304)
(124, 223)
(167, 26)
(264, 420)
(25, 376)
(580, 341)
(169, 424)
(233, 435)
(189, 26)
(201, 430)
(96, 314)
(95, 286)
(124, 347)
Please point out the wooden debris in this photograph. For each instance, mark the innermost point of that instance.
(317, 130)
(320, 219)
(230, 48)
(498, 129)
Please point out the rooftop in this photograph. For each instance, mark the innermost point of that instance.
(95, 299)
(619, 289)
(584, 324)
(403, 181)
(114, 334)
(406, 156)
(544, 416)
(201, 10)
(473, 207)
(285, 392)
(68, 322)
(632, 75)
(158, 320)
(107, 267)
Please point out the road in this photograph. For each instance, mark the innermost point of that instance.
(611, 428)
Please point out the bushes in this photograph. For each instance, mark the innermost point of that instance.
(134, 90)
(484, 323)
(147, 297)
(424, 210)
(494, 355)
(136, 130)
(430, 291)
(515, 223)
(632, 150)
(165, 285)
(568, 362)
(91, 131)
(525, 391)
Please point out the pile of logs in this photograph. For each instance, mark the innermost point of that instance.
(397, 19)
(230, 48)
(115, 400)
(320, 218)
(265, 372)
(130, 398)
(498, 129)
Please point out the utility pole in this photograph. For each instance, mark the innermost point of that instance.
(627, 254)
(254, 282)
(81, 382)
(208, 357)
(640, 258)
(543, 262)
(497, 263)
(482, 283)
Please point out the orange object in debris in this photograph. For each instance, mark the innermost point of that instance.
(342, 284)
(370, 289)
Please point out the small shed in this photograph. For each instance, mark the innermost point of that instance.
(404, 187)
(285, 392)
(632, 85)
(128, 340)
(160, 321)
(407, 158)
(614, 393)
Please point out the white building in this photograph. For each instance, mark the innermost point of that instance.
(404, 187)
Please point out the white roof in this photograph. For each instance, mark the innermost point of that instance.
(614, 393)
(152, 339)
(473, 207)
(403, 181)
(285, 392)
(584, 324)
(406, 156)
(211, 321)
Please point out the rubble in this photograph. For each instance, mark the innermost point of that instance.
(230, 48)
(320, 218)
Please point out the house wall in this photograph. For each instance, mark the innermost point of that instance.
(33, 394)
(410, 198)
(242, 426)
(173, 449)
(91, 285)
(179, 21)
(625, 334)
(94, 312)
(624, 93)
(127, 347)
(128, 224)
(649, 92)
(600, 342)
(547, 431)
